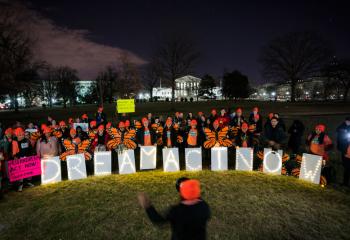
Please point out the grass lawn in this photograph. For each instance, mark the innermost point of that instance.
(244, 206)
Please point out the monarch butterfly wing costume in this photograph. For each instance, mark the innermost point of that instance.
(222, 138)
(57, 133)
(210, 138)
(83, 147)
(116, 138)
(34, 136)
(69, 147)
(92, 134)
(129, 139)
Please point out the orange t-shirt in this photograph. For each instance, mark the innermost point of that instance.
(192, 137)
(147, 138)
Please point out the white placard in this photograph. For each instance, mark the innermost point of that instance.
(103, 163)
(126, 161)
(51, 170)
(171, 159)
(219, 160)
(193, 158)
(244, 159)
(84, 126)
(272, 162)
(148, 157)
(31, 130)
(310, 169)
(76, 167)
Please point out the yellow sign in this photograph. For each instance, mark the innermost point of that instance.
(126, 105)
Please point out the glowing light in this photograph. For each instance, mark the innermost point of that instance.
(148, 157)
(126, 161)
(103, 163)
(76, 167)
(193, 158)
(171, 159)
(272, 161)
(244, 159)
(50, 170)
(273, 94)
(219, 158)
(310, 169)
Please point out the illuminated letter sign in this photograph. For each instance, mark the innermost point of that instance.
(219, 158)
(193, 157)
(148, 157)
(50, 170)
(272, 161)
(244, 159)
(103, 163)
(310, 169)
(171, 159)
(76, 167)
(126, 161)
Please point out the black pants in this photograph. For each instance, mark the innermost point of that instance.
(346, 165)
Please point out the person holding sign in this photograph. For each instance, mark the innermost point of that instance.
(21, 147)
(100, 140)
(319, 143)
(193, 136)
(244, 137)
(146, 135)
(274, 136)
(47, 145)
(189, 218)
(169, 135)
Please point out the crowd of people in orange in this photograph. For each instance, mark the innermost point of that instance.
(221, 128)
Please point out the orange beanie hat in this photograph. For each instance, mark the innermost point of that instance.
(190, 189)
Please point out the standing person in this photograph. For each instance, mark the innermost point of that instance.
(213, 116)
(21, 147)
(343, 145)
(47, 145)
(6, 150)
(146, 136)
(223, 118)
(274, 136)
(188, 218)
(319, 143)
(244, 138)
(150, 118)
(194, 137)
(100, 116)
(169, 135)
(296, 131)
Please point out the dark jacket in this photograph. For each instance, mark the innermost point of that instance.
(173, 137)
(343, 139)
(188, 222)
(296, 132)
(274, 134)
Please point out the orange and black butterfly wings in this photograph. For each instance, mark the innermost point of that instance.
(68, 145)
(210, 138)
(129, 138)
(222, 138)
(116, 138)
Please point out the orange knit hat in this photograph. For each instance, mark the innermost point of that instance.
(190, 189)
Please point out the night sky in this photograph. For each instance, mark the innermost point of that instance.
(229, 34)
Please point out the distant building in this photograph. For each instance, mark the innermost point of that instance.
(84, 86)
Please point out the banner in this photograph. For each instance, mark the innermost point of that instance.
(310, 169)
(193, 158)
(148, 157)
(51, 170)
(24, 168)
(244, 159)
(126, 105)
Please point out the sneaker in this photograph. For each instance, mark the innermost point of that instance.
(30, 185)
(20, 188)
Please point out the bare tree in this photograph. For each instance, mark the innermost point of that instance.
(294, 56)
(66, 79)
(151, 76)
(129, 78)
(106, 84)
(177, 56)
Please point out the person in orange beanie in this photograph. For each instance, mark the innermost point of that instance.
(188, 218)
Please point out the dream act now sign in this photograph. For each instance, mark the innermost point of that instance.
(272, 163)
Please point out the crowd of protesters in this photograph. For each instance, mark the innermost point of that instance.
(235, 129)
